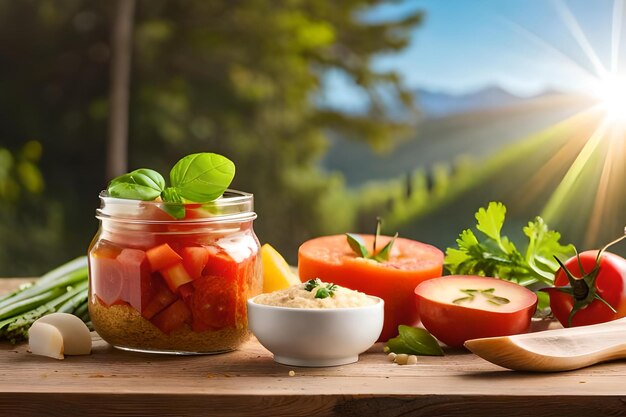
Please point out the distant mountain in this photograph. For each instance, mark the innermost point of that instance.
(438, 104)
(477, 133)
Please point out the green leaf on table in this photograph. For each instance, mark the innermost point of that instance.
(420, 340)
(398, 345)
(414, 341)
(202, 177)
(140, 184)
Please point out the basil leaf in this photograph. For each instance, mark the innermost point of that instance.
(383, 255)
(398, 345)
(173, 203)
(202, 177)
(420, 341)
(140, 184)
(357, 244)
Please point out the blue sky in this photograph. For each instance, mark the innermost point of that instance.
(524, 46)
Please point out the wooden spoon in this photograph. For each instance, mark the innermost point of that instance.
(555, 350)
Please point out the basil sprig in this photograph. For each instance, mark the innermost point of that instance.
(198, 178)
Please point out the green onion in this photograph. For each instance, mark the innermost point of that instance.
(64, 289)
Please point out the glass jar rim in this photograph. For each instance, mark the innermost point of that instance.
(232, 206)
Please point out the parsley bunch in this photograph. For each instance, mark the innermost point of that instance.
(496, 256)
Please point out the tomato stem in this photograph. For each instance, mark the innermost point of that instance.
(583, 289)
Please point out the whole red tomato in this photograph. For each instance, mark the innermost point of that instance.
(608, 283)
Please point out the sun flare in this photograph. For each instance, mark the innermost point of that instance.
(612, 96)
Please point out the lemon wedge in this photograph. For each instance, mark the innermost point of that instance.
(277, 273)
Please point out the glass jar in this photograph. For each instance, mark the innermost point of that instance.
(158, 284)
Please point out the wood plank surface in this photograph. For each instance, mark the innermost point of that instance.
(247, 382)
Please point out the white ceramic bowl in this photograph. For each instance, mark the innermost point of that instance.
(316, 337)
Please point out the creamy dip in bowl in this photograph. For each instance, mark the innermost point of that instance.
(301, 329)
(299, 296)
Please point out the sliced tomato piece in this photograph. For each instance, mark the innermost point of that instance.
(214, 303)
(162, 299)
(220, 264)
(175, 276)
(194, 211)
(138, 289)
(161, 257)
(172, 318)
(195, 259)
(186, 291)
(106, 275)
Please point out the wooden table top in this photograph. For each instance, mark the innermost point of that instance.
(248, 382)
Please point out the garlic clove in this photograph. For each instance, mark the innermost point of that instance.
(46, 340)
(76, 335)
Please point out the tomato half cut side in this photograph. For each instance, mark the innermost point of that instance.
(458, 308)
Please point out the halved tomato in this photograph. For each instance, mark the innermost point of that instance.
(331, 259)
(458, 308)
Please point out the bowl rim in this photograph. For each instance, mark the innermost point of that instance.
(379, 303)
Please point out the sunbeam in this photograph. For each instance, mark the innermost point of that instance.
(616, 30)
(560, 195)
(540, 181)
(587, 75)
(601, 211)
(581, 39)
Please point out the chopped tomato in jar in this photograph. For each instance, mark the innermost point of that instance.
(177, 286)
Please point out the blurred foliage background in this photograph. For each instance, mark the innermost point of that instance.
(247, 79)
(232, 77)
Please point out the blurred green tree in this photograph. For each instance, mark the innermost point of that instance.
(233, 77)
